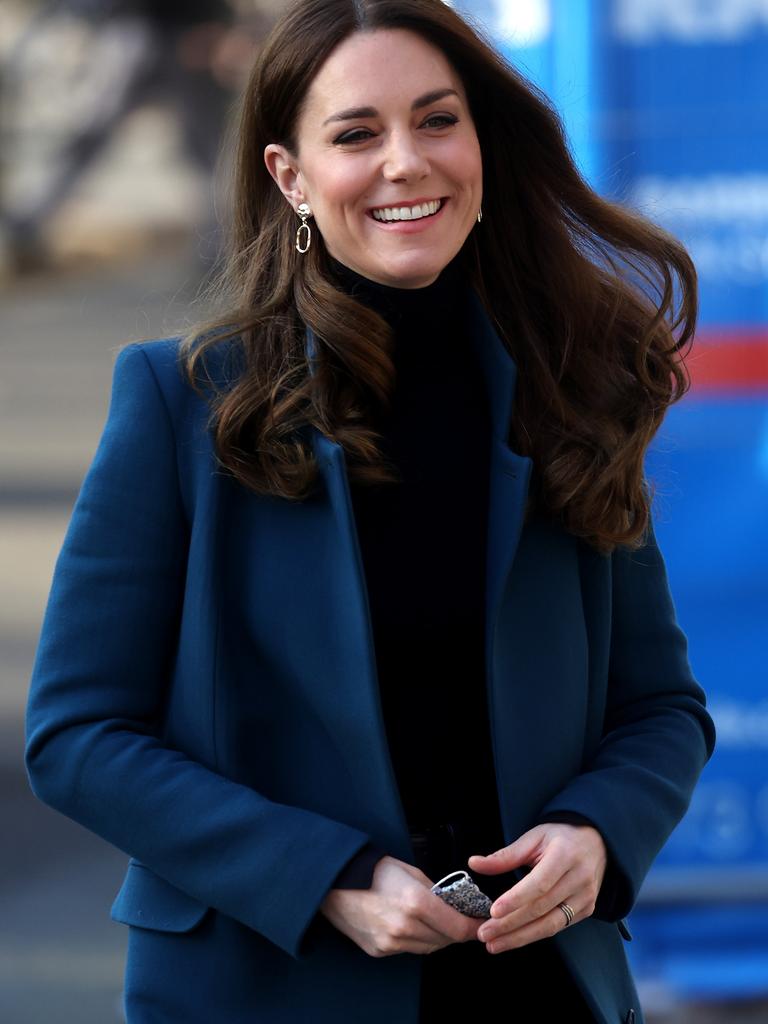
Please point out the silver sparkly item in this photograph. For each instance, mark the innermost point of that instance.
(463, 894)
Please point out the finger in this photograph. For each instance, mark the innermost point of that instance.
(441, 919)
(434, 921)
(419, 935)
(562, 893)
(532, 903)
(537, 884)
(451, 922)
(412, 943)
(424, 938)
(405, 928)
(543, 927)
(522, 851)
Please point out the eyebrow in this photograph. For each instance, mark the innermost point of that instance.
(421, 101)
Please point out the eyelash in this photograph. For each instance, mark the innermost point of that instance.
(350, 138)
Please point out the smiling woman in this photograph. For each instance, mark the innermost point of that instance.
(383, 529)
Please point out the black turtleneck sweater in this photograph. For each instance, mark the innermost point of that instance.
(423, 545)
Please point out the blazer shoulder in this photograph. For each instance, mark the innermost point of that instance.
(220, 364)
(162, 354)
(155, 364)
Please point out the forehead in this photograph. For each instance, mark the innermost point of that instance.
(361, 69)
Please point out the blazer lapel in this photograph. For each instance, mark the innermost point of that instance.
(508, 491)
(509, 472)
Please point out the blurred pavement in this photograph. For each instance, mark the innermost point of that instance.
(61, 956)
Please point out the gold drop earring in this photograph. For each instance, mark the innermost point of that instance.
(304, 212)
(479, 214)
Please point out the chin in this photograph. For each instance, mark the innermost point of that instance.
(417, 267)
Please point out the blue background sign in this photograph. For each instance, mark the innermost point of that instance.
(664, 104)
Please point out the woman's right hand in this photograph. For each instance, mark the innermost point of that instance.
(398, 913)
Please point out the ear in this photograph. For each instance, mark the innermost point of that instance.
(285, 171)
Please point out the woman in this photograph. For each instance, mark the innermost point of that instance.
(362, 583)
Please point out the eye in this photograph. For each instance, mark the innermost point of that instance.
(353, 137)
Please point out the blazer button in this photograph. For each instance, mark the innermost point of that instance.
(630, 1018)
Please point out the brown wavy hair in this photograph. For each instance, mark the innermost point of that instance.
(580, 289)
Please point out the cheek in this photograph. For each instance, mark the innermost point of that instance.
(338, 192)
(466, 164)
(475, 167)
(344, 186)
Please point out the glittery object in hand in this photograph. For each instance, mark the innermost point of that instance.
(463, 894)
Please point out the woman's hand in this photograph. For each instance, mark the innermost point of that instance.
(398, 913)
(569, 863)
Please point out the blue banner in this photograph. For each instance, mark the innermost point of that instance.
(664, 104)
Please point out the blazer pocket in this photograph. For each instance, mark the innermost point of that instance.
(146, 900)
(624, 929)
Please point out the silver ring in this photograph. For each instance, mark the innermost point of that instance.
(568, 911)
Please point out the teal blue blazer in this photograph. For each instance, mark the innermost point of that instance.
(204, 697)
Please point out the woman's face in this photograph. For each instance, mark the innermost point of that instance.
(350, 162)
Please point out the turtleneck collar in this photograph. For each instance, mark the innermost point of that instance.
(441, 300)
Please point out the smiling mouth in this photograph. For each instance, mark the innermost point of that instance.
(406, 220)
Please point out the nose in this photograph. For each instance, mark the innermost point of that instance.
(404, 158)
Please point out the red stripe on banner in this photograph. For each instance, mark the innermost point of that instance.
(729, 360)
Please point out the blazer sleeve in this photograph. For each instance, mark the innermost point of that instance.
(657, 734)
(96, 700)
(358, 873)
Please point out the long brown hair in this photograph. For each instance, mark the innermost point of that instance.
(561, 272)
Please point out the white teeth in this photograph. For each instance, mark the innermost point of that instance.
(408, 212)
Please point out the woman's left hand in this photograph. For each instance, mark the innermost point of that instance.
(568, 864)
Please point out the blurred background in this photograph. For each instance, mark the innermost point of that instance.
(113, 170)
